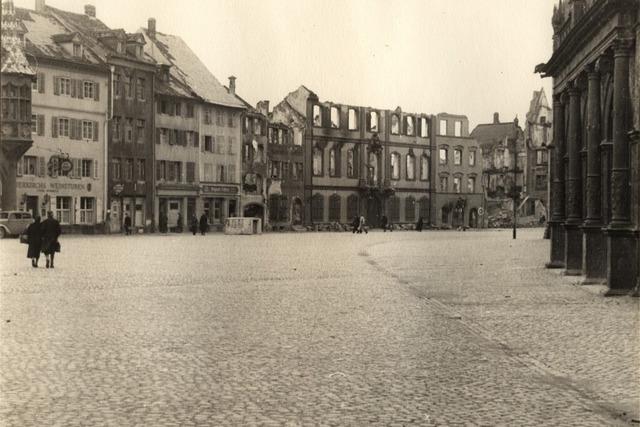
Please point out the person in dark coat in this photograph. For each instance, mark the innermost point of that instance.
(179, 224)
(204, 223)
(50, 233)
(127, 224)
(34, 236)
(384, 222)
(355, 224)
(419, 224)
(194, 224)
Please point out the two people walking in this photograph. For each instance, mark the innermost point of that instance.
(202, 224)
(359, 225)
(42, 237)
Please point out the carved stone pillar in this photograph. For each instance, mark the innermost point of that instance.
(557, 202)
(594, 266)
(621, 241)
(573, 232)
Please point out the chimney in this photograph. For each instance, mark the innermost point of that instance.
(151, 27)
(263, 107)
(40, 5)
(496, 118)
(90, 10)
(232, 84)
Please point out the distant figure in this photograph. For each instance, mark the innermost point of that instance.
(164, 222)
(204, 223)
(355, 224)
(419, 224)
(384, 222)
(363, 226)
(194, 224)
(127, 224)
(34, 236)
(179, 224)
(50, 233)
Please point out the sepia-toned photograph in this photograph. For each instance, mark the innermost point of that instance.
(320, 213)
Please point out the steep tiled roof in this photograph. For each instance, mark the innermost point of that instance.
(12, 55)
(187, 69)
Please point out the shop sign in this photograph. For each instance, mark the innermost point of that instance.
(218, 189)
(53, 187)
(118, 188)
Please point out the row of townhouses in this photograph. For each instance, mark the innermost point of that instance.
(118, 124)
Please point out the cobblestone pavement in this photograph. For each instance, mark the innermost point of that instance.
(403, 328)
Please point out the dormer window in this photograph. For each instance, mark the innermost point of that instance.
(77, 50)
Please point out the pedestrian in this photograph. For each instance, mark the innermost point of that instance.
(194, 224)
(363, 226)
(50, 233)
(355, 224)
(204, 224)
(164, 222)
(419, 224)
(384, 221)
(179, 224)
(34, 239)
(127, 224)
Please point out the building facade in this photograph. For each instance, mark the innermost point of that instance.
(64, 170)
(596, 86)
(538, 132)
(254, 174)
(458, 192)
(15, 97)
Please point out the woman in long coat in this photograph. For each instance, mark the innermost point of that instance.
(50, 233)
(34, 236)
(204, 224)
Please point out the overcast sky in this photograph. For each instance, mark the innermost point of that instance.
(458, 56)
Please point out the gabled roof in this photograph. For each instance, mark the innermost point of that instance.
(12, 55)
(538, 101)
(492, 134)
(187, 69)
(298, 99)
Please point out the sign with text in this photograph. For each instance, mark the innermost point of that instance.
(218, 189)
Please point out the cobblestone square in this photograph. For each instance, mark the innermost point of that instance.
(404, 328)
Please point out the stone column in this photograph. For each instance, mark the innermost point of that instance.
(621, 241)
(594, 242)
(573, 233)
(557, 213)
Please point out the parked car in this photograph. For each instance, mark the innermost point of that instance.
(13, 223)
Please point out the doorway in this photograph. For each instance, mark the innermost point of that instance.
(32, 205)
(374, 212)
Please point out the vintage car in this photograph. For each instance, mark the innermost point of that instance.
(13, 223)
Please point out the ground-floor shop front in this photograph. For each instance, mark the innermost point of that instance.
(456, 210)
(78, 206)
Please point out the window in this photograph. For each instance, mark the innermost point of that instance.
(411, 166)
(116, 170)
(128, 170)
(257, 126)
(332, 162)
(230, 119)
(444, 184)
(128, 130)
(317, 208)
(63, 210)
(409, 126)
(443, 127)
(456, 184)
(472, 158)
(230, 144)
(280, 136)
(353, 119)
(352, 207)
(274, 168)
(424, 127)
(335, 117)
(30, 165)
(190, 139)
(140, 131)
(34, 123)
(394, 208)
(351, 163)
(457, 156)
(334, 208)
(87, 89)
(298, 172)
(77, 50)
(317, 116)
(372, 169)
(207, 116)
(116, 85)
(178, 108)
(141, 174)
(373, 121)
(64, 86)
(117, 128)
(395, 166)
(541, 157)
(457, 129)
(219, 117)
(208, 143)
(86, 210)
(140, 89)
(285, 170)
(395, 124)
(191, 172)
(87, 129)
(317, 161)
(471, 185)
(190, 110)
(63, 127)
(443, 156)
(424, 167)
(86, 168)
(127, 86)
(409, 209)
